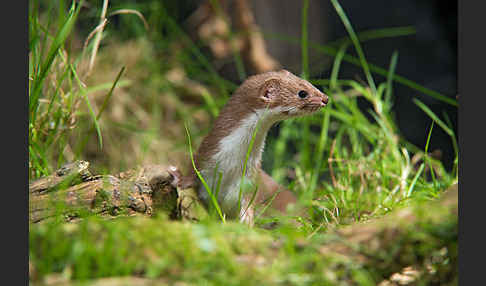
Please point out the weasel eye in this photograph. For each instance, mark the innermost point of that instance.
(303, 94)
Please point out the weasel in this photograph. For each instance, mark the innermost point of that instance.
(261, 100)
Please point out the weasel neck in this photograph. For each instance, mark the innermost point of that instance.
(231, 154)
(233, 148)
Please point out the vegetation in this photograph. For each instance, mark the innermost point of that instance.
(110, 94)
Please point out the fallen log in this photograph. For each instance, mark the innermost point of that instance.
(409, 246)
(73, 191)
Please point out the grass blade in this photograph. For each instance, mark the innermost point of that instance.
(247, 156)
(218, 185)
(414, 181)
(131, 11)
(304, 41)
(110, 93)
(453, 137)
(427, 151)
(355, 41)
(57, 43)
(210, 193)
(434, 117)
(97, 39)
(389, 78)
(279, 150)
(304, 45)
(376, 34)
(320, 149)
(84, 94)
(252, 199)
(336, 66)
(328, 50)
(211, 104)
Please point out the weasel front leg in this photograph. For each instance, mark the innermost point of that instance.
(247, 214)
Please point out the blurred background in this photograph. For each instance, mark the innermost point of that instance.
(183, 59)
(429, 57)
(116, 83)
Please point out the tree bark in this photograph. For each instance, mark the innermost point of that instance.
(73, 190)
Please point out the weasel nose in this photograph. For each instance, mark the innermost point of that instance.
(325, 99)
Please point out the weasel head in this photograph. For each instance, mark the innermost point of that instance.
(284, 94)
(264, 98)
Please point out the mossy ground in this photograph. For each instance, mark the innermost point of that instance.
(352, 166)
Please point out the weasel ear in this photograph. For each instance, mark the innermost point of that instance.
(269, 89)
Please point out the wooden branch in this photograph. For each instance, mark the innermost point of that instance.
(68, 174)
(254, 48)
(72, 191)
(212, 22)
(407, 246)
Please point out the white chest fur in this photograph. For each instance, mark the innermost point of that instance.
(230, 160)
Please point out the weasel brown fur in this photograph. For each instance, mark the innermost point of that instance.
(259, 102)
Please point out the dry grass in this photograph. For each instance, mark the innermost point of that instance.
(143, 122)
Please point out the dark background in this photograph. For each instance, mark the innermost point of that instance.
(428, 57)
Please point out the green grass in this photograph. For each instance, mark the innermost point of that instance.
(230, 254)
(214, 200)
(348, 169)
(55, 90)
